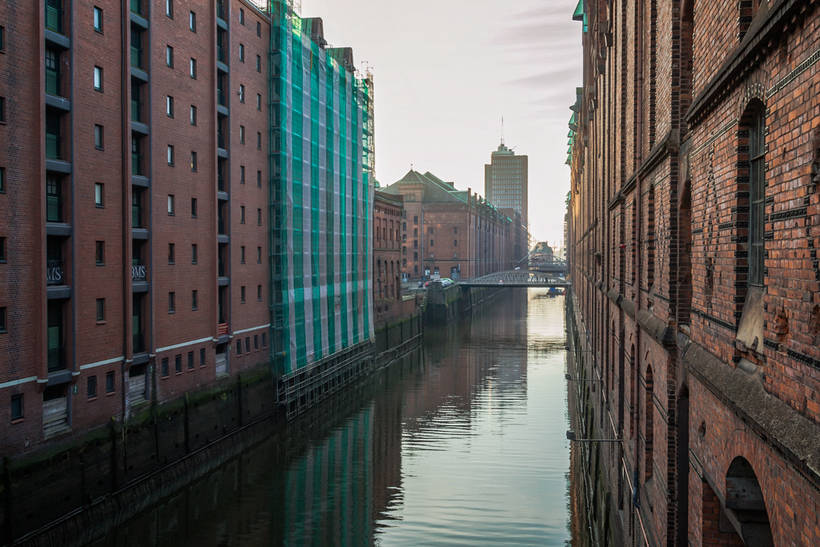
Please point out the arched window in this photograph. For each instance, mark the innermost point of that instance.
(649, 423)
(757, 182)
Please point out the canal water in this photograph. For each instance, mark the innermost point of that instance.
(460, 443)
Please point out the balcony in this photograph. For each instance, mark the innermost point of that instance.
(55, 272)
(139, 272)
(54, 15)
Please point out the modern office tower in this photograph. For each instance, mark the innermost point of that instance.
(505, 181)
(137, 206)
(321, 201)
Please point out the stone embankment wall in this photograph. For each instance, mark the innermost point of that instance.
(83, 487)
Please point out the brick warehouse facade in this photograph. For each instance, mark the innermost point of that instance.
(693, 229)
(388, 213)
(140, 268)
(452, 232)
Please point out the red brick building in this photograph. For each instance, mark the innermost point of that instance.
(694, 223)
(452, 232)
(137, 267)
(388, 212)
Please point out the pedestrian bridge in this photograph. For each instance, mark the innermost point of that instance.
(516, 278)
(556, 267)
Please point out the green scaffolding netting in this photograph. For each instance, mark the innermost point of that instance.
(320, 195)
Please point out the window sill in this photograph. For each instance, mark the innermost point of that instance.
(18, 421)
(91, 399)
(101, 322)
(111, 394)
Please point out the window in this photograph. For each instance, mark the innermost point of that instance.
(242, 294)
(241, 174)
(98, 194)
(98, 23)
(2, 38)
(169, 106)
(415, 220)
(169, 56)
(241, 134)
(98, 78)
(239, 347)
(242, 254)
(192, 68)
(259, 140)
(241, 53)
(241, 214)
(109, 382)
(193, 161)
(259, 101)
(242, 93)
(16, 407)
(99, 253)
(259, 217)
(757, 194)
(258, 297)
(3, 319)
(193, 115)
(2, 180)
(247, 344)
(202, 357)
(258, 29)
(194, 300)
(172, 307)
(259, 255)
(169, 8)
(171, 253)
(91, 387)
(98, 137)
(2, 249)
(258, 63)
(194, 251)
(171, 205)
(178, 363)
(169, 154)
(192, 21)
(241, 16)
(190, 359)
(164, 367)
(193, 203)
(100, 310)
(259, 179)
(264, 339)
(255, 341)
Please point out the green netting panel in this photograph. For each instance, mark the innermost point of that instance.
(320, 198)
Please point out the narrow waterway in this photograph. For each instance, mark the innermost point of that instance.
(462, 442)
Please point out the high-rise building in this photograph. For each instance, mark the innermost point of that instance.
(505, 181)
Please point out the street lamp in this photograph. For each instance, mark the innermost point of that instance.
(571, 437)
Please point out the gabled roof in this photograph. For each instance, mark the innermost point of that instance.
(435, 189)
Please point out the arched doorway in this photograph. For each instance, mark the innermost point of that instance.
(745, 505)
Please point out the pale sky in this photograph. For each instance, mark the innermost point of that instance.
(446, 71)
